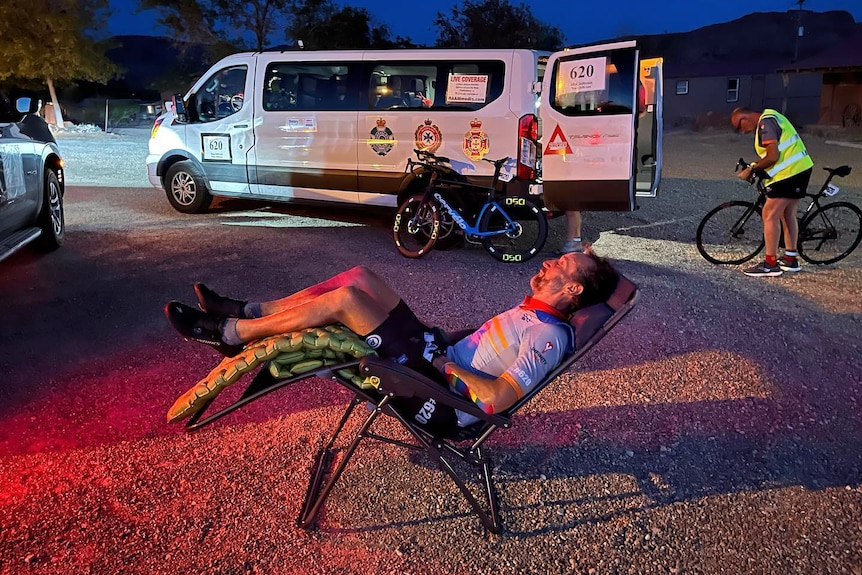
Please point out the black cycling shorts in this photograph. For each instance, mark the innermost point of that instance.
(793, 187)
(406, 340)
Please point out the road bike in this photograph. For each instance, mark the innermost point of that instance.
(510, 228)
(732, 233)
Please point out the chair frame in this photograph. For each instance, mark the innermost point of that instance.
(395, 380)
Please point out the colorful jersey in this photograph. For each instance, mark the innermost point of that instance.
(520, 346)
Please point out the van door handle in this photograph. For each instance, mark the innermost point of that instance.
(240, 126)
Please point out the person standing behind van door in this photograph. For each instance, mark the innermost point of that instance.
(573, 234)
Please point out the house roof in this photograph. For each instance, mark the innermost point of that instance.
(846, 55)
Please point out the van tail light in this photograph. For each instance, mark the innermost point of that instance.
(156, 125)
(528, 145)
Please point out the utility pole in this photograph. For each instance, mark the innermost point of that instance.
(799, 29)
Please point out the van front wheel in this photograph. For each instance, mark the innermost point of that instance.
(186, 190)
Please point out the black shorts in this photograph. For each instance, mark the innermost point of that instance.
(406, 340)
(793, 187)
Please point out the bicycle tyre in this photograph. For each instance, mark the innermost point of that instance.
(830, 233)
(526, 242)
(719, 244)
(416, 226)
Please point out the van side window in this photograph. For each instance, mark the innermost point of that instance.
(222, 94)
(597, 84)
(438, 85)
(291, 86)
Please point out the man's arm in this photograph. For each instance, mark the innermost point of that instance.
(493, 395)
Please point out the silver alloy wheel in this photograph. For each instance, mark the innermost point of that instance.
(183, 188)
(56, 207)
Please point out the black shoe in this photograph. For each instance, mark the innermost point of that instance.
(196, 325)
(763, 269)
(212, 303)
(789, 264)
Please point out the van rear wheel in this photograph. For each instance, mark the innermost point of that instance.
(186, 188)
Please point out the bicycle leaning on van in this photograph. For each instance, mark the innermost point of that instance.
(732, 233)
(510, 228)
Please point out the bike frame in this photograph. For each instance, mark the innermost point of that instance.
(433, 192)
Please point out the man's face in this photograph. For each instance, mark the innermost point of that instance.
(742, 125)
(555, 274)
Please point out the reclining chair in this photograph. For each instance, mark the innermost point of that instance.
(380, 381)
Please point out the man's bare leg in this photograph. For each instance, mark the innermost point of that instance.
(349, 305)
(772, 214)
(359, 277)
(791, 224)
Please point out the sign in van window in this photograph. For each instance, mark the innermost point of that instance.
(467, 89)
(577, 76)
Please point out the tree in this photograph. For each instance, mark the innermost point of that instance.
(495, 24)
(53, 40)
(221, 25)
(322, 25)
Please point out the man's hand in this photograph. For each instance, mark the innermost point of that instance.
(440, 362)
(745, 173)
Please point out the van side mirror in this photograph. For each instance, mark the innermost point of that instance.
(537, 87)
(180, 108)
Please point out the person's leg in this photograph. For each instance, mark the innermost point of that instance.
(573, 225)
(772, 213)
(348, 305)
(791, 224)
(359, 276)
(573, 233)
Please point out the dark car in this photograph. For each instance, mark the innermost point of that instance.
(31, 179)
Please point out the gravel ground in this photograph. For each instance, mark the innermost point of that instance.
(717, 430)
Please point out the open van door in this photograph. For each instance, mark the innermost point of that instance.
(649, 155)
(589, 115)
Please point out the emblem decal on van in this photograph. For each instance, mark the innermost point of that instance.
(382, 140)
(428, 137)
(558, 144)
(476, 143)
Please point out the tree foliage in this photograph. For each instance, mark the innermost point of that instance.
(223, 26)
(322, 25)
(53, 39)
(495, 24)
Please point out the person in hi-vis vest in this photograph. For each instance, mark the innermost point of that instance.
(782, 155)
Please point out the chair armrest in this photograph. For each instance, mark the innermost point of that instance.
(402, 381)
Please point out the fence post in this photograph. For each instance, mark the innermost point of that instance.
(106, 115)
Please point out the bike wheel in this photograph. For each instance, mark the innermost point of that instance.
(731, 233)
(416, 226)
(519, 240)
(830, 233)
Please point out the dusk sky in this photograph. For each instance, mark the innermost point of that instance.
(581, 22)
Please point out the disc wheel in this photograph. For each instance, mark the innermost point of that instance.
(416, 227)
(518, 240)
(830, 233)
(731, 233)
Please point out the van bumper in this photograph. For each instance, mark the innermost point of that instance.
(152, 166)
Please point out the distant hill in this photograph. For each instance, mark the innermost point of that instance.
(157, 64)
(763, 36)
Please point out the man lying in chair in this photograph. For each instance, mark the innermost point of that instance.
(494, 366)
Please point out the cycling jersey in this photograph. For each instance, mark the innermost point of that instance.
(521, 346)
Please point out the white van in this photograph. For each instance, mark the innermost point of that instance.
(339, 126)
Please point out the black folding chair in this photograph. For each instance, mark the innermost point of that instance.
(387, 380)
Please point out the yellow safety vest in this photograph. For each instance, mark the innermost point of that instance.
(792, 156)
